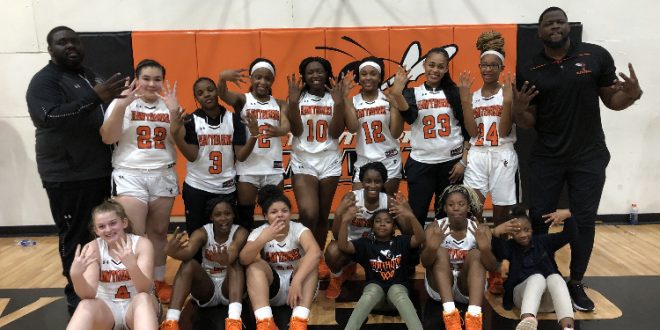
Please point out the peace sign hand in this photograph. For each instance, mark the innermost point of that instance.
(400, 79)
(629, 85)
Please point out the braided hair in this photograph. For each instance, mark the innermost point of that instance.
(474, 202)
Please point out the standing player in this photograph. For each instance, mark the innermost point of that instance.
(377, 124)
(264, 165)
(144, 179)
(492, 161)
(210, 140)
(316, 114)
(433, 111)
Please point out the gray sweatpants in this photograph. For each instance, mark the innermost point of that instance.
(373, 295)
(540, 294)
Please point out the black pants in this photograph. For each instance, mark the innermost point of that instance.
(424, 180)
(71, 205)
(195, 201)
(585, 179)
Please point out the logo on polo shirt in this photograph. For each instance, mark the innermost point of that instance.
(583, 68)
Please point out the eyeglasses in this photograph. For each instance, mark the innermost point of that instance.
(489, 66)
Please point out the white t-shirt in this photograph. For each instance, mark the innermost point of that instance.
(284, 255)
(316, 114)
(374, 141)
(145, 141)
(213, 268)
(266, 157)
(115, 282)
(488, 114)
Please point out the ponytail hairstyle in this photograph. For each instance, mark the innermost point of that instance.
(229, 199)
(379, 61)
(110, 205)
(270, 194)
(326, 66)
(148, 63)
(448, 85)
(474, 202)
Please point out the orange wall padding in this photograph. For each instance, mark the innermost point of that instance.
(188, 55)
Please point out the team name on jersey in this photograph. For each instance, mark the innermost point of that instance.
(108, 276)
(157, 117)
(488, 110)
(214, 139)
(315, 110)
(381, 110)
(283, 256)
(432, 103)
(263, 114)
(360, 222)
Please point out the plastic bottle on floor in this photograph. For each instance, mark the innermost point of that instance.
(633, 218)
(26, 242)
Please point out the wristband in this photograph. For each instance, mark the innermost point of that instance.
(255, 136)
(462, 162)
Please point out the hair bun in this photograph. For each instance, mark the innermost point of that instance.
(267, 193)
(490, 40)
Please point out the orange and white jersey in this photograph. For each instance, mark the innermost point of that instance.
(283, 256)
(458, 249)
(115, 282)
(213, 268)
(145, 141)
(266, 157)
(359, 226)
(214, 169)
(316, 114)
(488, 114)
(374, 141)
(435, 136)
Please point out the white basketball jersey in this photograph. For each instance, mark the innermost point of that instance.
(213, 170)
(458, 249)
(375, 142)
(145, 141)
(359, 226)
(488, 114)
(114, 280)
(284, 255)
(266, 157)
(435, 136)
(213, 268)
(316, 114)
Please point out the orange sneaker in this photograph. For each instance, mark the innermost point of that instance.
(169, 325)
(324, 271)
(231, 324)
(472, 322)
(495, 283)
(348, 271)
(163, 291)
(452, 320)
(334, 287)
(267, 324)
(297, 323)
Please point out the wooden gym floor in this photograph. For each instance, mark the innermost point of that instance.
(624, 272)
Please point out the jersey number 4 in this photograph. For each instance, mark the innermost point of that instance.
(429, 129)
(122, 293)
(145, 140)
(492, 136)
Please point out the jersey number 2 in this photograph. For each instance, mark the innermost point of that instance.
(145, 140)
(492, 136)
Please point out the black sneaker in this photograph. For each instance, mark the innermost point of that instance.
(581, 301)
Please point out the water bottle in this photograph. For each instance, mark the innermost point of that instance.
(634, 213)
(26, 243)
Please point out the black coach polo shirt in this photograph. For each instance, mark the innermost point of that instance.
(568, 120)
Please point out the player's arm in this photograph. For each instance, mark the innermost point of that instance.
(343, 243)
(243, 147)
(236, 100)
(464, 86)
(182, 248)
(237, 243)
(311, 258)
(84, 271)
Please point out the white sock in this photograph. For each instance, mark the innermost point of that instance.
(300, 312)
(159, 273)
(474, 310)
(235, 310)
(263, 313)
(448, 307)
(173, 314)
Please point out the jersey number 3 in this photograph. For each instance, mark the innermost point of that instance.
(216, 162)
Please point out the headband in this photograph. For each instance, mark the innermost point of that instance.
(370, 63)
(493, 52)
(262, 65)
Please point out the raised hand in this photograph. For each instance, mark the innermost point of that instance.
(522, 96)
(507, 88)
(465, 81)
(510, 227)
(177, 242)
(348, 83)
(178, 119)
(124, 251)
(132, 91)
(435, 234)
(273, 131)
(295, 87)
(274, 231)
(252, 125)
(82, 260)
(235, 76)
(169, 97)
(218, 253)
(336, 90)
(482, 234)
(400, 79)
(111, 88)
(399, 207)
(629, 85)
(558, 217)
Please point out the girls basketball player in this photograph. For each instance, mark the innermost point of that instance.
(281, 259)
(112, 275)
(377, 124)
(264, 165)
(144, 180)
